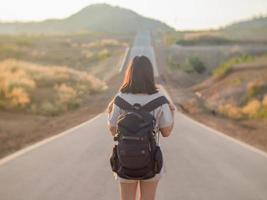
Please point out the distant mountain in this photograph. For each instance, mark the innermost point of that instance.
(254, 28)
(94, 18)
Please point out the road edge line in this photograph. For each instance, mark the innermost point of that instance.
(223, 135)
(44, 141)
(124, 59)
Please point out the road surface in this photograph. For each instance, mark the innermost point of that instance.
(201, 164)
(143, 46)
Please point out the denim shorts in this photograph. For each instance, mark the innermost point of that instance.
(123, 180)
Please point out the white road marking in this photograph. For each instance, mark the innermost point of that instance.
(248, 146)
(124, 59)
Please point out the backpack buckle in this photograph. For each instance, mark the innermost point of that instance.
(137, 106)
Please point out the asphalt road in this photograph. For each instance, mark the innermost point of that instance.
(200, 163)
(143, 46)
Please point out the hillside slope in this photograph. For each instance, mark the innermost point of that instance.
(253, 28)
(235, 103)
(94, 18)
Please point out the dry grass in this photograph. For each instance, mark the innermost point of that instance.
(255, 106)
(22, 83)
(230, 111)
(48, 83)
(254, 87)
(264, 101)
(76, 51)
(103, 43)
(252, 108)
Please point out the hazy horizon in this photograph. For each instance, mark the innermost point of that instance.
(182, 15)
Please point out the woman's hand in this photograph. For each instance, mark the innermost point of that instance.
(172, 107)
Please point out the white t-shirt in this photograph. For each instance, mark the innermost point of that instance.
(162, 114)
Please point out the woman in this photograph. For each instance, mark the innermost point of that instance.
(139, 87)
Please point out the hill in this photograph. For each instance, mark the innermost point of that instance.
(94, 18)
(254, 28)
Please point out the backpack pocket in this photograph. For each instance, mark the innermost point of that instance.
(133, 156)
(158, 158)
(114, 162)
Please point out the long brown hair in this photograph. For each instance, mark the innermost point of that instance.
(139, 77)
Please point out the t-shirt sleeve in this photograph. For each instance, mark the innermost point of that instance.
(166, 118)
(113, 116)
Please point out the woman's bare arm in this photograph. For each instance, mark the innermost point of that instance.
(166, 131)
(112, 129)
(110, 106)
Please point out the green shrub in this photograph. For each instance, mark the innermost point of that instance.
(237, 81)
(97, 56)
(262, 113)
(171, 38)
(254, 88)
(191, 64)
(204, 40)
(227, 66)
(49, 109)
(196, 64)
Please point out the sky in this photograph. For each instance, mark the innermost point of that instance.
(181, 14)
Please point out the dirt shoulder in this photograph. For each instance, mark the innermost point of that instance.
(18, 130)
(179, 86)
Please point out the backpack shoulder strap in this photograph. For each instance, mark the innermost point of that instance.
(123, 104)
(155, 103)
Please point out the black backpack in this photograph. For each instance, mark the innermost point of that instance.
(137, 155)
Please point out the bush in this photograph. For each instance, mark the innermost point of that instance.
(67, 97)
(237, 81)
(262, 113)
(49, 109)
(264, 101)
(65, 93)
(231, 111)
(204, 40)
(196, 64)
(18, 97)
(101, 43)
(254, 87)
(171, 38)
(227, 66)
(252, 108)
(46, 90)
(15, 86)
(97, 56)
(191, 64)
(109, 43)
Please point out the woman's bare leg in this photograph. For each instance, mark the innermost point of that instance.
(128, 191)
(148, 190)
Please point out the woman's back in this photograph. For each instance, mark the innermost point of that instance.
(162, 114)
(139, 87)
